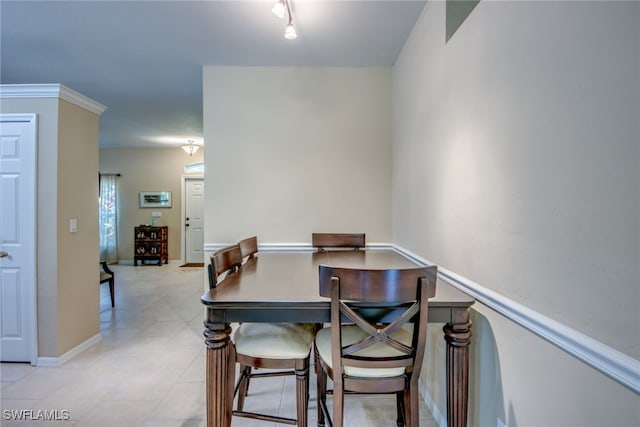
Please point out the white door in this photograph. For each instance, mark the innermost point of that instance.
(17, 237)
(194, 221)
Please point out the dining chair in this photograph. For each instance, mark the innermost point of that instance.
(107, 275)
(322, 241)
(274, 346)
(248, 247)
(227, 259)
(283, 347)
(376, 340)
(330, 241)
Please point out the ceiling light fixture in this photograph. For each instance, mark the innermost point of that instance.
(290, 32)
(190, 149)
(279, 9)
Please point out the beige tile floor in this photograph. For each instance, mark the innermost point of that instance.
(149, 368)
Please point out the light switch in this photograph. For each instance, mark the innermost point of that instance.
(73, 225)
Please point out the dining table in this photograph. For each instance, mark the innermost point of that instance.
(283, 286)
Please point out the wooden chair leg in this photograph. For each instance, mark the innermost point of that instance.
(302, 391)
(321, 386)
(338, 403)
(249, 370)
(400, 408)
(112, 291)
(412, 415)
(243, 385)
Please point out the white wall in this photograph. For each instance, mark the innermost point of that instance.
(516, 164)
(290, 151)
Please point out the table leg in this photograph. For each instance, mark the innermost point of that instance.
(458, 339)
(221, 359)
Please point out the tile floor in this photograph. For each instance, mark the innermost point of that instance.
(149, 368)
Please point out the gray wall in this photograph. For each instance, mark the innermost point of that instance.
(516, 164)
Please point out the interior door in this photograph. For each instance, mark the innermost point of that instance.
(17, 237)
(194, 221)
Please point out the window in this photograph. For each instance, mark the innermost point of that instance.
(108, 217)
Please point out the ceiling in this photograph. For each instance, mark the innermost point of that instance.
(144, 59)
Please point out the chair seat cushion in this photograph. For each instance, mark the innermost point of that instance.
(274, 340)
(352, 334)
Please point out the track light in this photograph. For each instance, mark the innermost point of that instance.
(290, 32)
(279, 10)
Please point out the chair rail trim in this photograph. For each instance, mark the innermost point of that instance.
(613, 363)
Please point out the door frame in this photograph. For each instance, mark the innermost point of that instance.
(183, 212)
(30, 264)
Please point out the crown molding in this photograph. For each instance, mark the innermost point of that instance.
(51, 91)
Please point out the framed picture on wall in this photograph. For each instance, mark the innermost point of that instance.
(155, 199)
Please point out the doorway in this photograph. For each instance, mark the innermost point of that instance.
(18, 336)
(193, 220)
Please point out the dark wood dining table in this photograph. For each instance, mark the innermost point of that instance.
(282, 286)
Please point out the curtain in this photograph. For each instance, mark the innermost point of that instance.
(107, 211)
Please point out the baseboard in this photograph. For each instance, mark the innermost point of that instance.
(431, 404)
(64, 358)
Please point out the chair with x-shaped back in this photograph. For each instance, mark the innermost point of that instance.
(376, 340)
